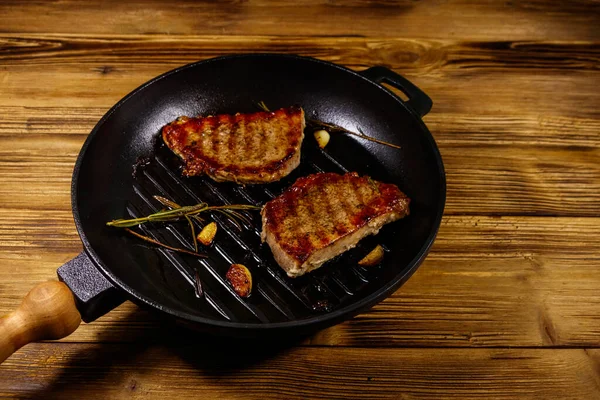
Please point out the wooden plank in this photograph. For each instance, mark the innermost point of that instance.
(197, 369)
(39, 123)
(489, 281)
(73, 71)
(449, 129)
(529, 19)
(36, 170)
(522, 180)
(91, 71)
(111, 54)
(503, 95)
(515, 174)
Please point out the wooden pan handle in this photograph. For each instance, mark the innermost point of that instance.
(47, 312)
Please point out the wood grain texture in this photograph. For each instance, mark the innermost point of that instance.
(502, 71)
(532, 19)
(556, 176)
(203, 370)
(47, 312)
(525, 155)
(505, 306)
(418, 56)
(489, 281)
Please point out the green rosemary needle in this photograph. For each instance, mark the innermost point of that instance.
(176, 214)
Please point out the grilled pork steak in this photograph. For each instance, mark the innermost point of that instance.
(245, 148)
(323, 215)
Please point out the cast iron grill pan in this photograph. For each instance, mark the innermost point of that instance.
(124, 163)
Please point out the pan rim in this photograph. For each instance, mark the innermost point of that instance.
(323, 320)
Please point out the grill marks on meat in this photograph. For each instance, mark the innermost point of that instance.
(259, 147)
(325, 214)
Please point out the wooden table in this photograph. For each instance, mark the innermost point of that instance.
(506, 305)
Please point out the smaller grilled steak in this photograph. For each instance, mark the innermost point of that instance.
(245, 148)
(323, 215)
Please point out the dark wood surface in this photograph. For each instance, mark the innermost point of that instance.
(507, 304)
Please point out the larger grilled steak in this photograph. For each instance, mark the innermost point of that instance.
(245, 148)
(323, 215)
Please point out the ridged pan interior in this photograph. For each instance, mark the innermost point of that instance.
(124, 163)
(275, 297)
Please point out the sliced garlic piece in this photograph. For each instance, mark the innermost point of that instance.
(373, 258)
(322, 137)
(240, 279)
(207, 234)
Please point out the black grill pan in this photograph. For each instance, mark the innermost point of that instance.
(123, 164)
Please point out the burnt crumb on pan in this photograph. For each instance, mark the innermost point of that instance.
(317, 295)
(140, 164)
(321, 306)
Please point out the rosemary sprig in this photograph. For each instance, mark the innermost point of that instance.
(176, 214)
(172, 205)
(166, 202)
(193, 230)
(166, 246)
(261, 104)
(315, 124)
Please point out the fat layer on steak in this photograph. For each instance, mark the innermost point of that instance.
(323, 215)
